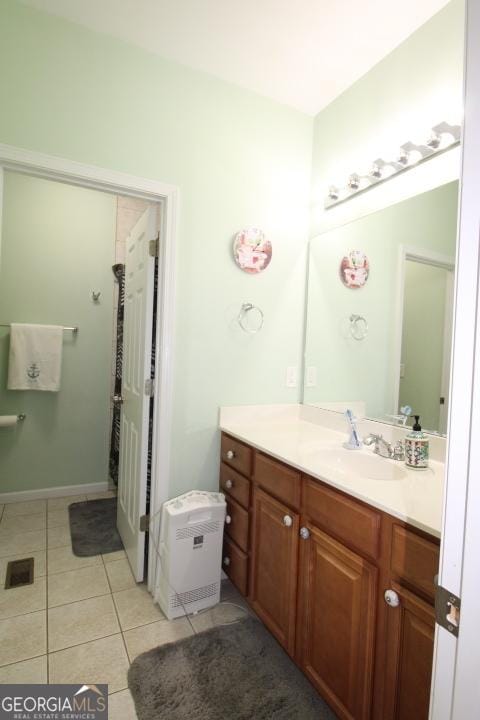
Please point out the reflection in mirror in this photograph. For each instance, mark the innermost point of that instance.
(382, 340)
(427, 317)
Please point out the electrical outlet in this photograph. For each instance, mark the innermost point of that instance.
(291, 381)
(402, 370)
(311, 379)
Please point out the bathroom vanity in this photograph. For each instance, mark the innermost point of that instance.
(336, 551)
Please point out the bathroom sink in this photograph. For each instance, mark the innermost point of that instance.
(365, 465)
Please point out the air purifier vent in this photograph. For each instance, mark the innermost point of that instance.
(198, 529)
(193, 595)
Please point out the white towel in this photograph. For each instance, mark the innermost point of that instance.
(35, 357)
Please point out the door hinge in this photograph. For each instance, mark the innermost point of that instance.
(447, 610)
(149, 387)
(154, 246)
(144, 523)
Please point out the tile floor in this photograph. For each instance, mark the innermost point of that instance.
(83, 619)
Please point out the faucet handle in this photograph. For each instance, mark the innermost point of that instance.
(399, 451)
(372, 438)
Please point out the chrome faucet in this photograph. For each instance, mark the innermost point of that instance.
(385, 449)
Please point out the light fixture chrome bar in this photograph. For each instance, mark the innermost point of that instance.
(431, 148)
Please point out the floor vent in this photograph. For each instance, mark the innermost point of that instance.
(19, 573)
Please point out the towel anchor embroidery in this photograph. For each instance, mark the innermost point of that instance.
(33, 371)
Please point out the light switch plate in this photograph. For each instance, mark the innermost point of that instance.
(311, 378)
(291, 380)
(402, 370)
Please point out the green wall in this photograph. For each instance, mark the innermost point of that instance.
(416, 86)
(349, 370)
(58, 246)
(238, 159)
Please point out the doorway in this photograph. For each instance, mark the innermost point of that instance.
(426, 341)
(423, 344)
(93, 180)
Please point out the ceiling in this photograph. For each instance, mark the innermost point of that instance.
(302, 53)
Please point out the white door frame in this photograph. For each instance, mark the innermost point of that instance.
(68, 171)
(447, 351)
(455, 686)
(420, 255)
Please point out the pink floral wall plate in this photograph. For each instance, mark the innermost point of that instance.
(251, 250)
(354, 269)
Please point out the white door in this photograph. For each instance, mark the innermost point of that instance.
(137, 348)
(455, 687)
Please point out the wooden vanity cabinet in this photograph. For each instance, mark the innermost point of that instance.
(235, 483)
(318, 563)
(409, 638)
(336, 622)
(274, 566)
(406, 628)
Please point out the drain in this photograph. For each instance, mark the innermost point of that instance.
(19, 572)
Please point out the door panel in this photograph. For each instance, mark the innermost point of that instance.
(137, 347)
(273, 585)
(337, 623)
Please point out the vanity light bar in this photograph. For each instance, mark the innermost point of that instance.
(443, 137)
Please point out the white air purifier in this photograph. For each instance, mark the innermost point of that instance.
(191, 539)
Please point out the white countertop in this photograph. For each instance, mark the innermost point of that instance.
(317, 450)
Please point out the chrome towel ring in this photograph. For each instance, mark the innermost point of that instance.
(250, 318)
(358, 327)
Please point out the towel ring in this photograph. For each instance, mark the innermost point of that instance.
(358, 327)
(243, 315)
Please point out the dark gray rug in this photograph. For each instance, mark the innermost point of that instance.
(234, 672)
(93, 527)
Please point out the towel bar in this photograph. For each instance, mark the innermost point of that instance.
(73, 328)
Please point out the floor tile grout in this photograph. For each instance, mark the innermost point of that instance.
(85, 642)
(30, 612)
(15, 662)
(116, 613)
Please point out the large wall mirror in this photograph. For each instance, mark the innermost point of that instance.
(379, 322)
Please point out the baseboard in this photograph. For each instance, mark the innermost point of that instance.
(45, 493)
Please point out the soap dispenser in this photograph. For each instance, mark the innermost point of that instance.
(416, 447)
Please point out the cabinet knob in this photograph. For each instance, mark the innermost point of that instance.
(228, 519)
(287, 521)
(228, 484)
(391, 598)
(230, 454)
(226, 561)
(304, 533)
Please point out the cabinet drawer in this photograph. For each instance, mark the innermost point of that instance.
(278, 480)
(235, 485)
(235, 565)
(414, 559)
(236, 454)
(236, 523)
(358, 526)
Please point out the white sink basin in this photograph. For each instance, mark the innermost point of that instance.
(358, 462)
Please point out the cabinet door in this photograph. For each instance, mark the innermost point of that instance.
(409, 655)
(273, 580)
(336, 625)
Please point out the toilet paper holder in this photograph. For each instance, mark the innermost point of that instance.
(11, 420)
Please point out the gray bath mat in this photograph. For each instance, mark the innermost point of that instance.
(232, 672)
(93, 527)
